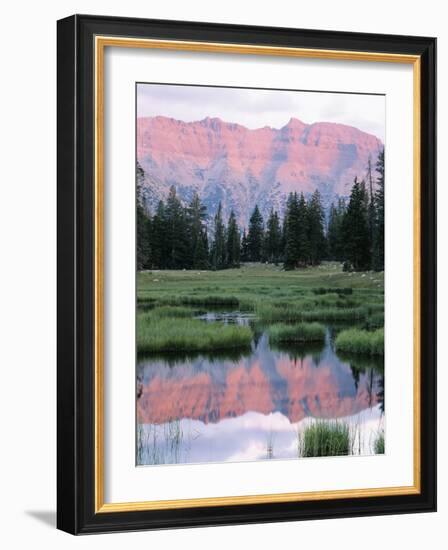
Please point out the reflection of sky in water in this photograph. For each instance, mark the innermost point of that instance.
(252, 436)
(249, 405)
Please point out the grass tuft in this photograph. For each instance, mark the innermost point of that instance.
(171, 334)
(325, 438)
(378, 445)
(335, 314)
(361, 341)
(303, 332)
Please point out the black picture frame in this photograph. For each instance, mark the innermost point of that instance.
(76, 271)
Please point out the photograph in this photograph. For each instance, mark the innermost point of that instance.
(246, 264)
(259, 274)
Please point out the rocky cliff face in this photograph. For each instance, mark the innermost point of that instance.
(240, 167)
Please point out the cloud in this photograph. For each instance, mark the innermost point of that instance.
(256, 108)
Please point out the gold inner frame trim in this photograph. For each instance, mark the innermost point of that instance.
(101, 42)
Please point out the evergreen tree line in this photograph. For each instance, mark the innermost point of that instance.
(355, 232)
(176, 236)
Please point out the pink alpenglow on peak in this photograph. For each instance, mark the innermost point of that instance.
(240, 167)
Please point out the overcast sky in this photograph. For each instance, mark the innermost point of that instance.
(258, 108)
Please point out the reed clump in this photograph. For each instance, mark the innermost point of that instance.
(180, 334)
(378, 445)
(302, 332)
(325, 438)
(361, 341)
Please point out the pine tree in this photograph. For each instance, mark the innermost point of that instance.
(333, 232)
(342, 209)
(244, 254)
(303, 232)
(233, 242)
(142, 239)
(356, 228)
(255, 235)
(273, 238)
(197, 233)
(335, 239)
(316, 235)
(201, 254)
(371, 207)
(218, 248)
(177, 235)
(143, 224)
(378, 236)
(291, 232)
(158, 241)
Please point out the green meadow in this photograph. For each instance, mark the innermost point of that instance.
(295, 305)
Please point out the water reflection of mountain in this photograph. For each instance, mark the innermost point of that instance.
(297, 382)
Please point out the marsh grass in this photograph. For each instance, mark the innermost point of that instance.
(378, 445)
(145, 302)
(335, 300)
(256, 283)
(161, 444)
(320, 294)
(375, 320)
(361, 341)
(178, 334)
(168, 302)
(272, 312)
(162, 312)
(302, 332)
(375, 307)
(324, 438)
(200, 300)
(335, 314)
(323, 290)
(270, 445)
(306, 310)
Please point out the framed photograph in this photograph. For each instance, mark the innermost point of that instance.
(246, 274)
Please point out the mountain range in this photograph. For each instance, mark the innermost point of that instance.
(240, 167)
